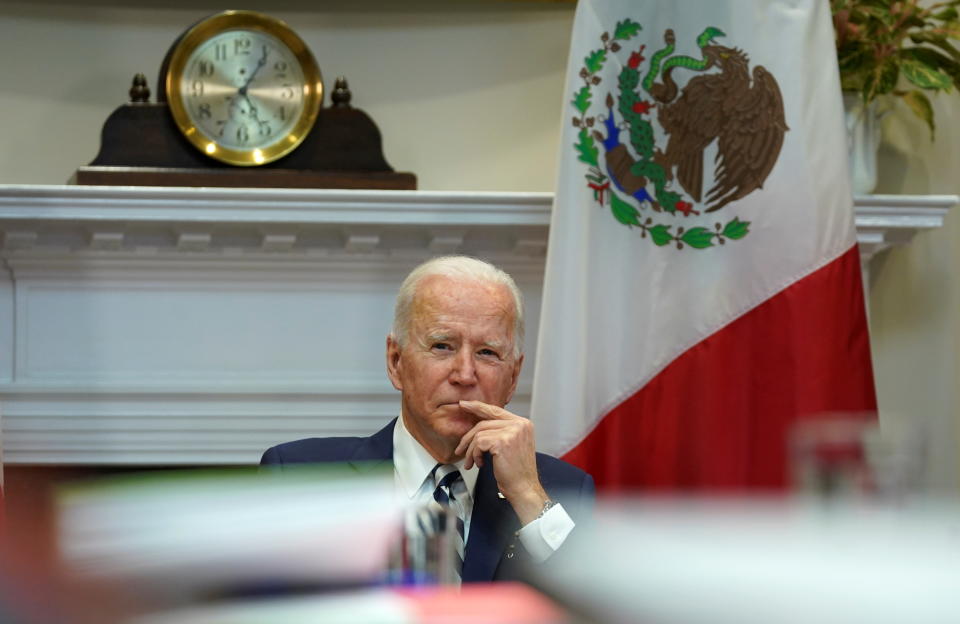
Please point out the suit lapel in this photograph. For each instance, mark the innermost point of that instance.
(492, 523)
(372, 452)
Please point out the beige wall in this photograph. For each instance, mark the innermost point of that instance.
(914, 303)
(915, 297)
(468, 95)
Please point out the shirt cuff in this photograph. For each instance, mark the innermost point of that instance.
(546, 534)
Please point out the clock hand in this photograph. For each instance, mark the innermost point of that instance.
(254, 113)
(253, 109)
(260, 63)
(242, 91)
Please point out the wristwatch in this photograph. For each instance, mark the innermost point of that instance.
(547, 505)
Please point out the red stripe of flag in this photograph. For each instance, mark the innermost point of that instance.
(718, 417)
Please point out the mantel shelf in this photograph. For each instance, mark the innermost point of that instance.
(887, 220)
(205, 219)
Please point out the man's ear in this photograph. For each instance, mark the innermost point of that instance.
(394, 363)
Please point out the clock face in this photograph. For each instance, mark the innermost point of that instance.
(243, 88)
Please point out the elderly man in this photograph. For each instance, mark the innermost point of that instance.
(455, 354)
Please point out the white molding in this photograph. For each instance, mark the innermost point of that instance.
(100, 282)
(270, 206)
(884, 221)
(301, 221)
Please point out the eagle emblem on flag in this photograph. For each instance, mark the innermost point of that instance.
(722, 108)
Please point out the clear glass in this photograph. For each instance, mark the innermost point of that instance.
(424, 553)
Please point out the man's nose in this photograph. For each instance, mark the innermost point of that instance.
(464, 370)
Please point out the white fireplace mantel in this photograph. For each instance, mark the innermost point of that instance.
(885, 221)
(195, 326)
(86, 219)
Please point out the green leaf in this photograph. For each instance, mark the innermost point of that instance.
(912, 21)
(855, 64)
(954, 71)
(668, 200)
(622, 211)
(736, 229)
(588, 151)
(883, 79)
(857, 16)
(927, 56)
(933, 58)
(920, 105)
(924, 76)
(698, 237)
(852, 57)
(889, 74)
(646, 168)
(595, 60)
(939, 40)
(950, 30)
(626, 29)
(660, 234)
(946, 15)
(581, 101)
(880, 12)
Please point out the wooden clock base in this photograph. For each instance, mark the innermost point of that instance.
(141, 146)
(258, 178)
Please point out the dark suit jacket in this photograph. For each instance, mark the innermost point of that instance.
(493, 522)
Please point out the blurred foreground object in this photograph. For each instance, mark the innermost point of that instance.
(184, 533)
(500, 603)
(425, 555)
(661, 561)
(849, 455)
(307, 545)
(828, 457)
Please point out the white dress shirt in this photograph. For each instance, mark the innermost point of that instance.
(413, 464)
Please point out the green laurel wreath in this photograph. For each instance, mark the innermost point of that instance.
(588, 152)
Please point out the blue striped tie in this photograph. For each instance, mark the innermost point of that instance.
(452, 492)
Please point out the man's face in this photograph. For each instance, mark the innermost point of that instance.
(459, 347)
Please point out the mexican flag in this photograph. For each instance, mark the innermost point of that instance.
(703, 289)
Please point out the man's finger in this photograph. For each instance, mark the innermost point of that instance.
(483, 425)
(486, 411)
(467, 439)
(468, 450)
(465, 442)
(473, 455)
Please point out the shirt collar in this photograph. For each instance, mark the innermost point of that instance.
(413, 464)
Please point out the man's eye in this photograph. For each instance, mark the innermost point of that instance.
(489, 353)
(442, 346)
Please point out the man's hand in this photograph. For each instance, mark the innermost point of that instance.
(509, 440)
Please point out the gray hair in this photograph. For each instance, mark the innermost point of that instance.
(459, 267)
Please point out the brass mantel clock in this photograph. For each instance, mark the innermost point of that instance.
(243, 87)
(239, 104)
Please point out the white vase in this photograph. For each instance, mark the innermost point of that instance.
(863, 141)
